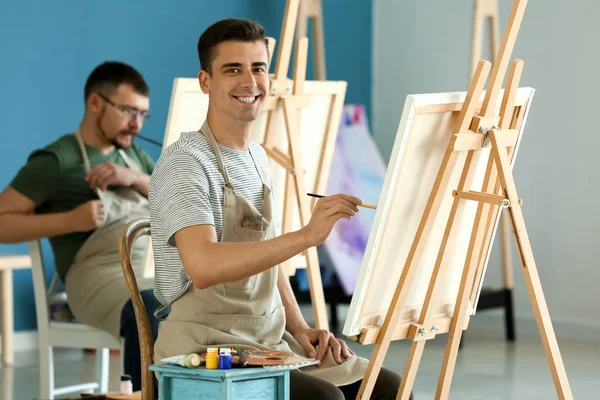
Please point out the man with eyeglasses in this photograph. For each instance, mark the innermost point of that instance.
(79, 192)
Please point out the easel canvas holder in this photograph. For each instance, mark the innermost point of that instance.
(475, 172)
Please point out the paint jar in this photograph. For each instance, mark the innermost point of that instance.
(224, 358)
(212, 358)
(126, 385)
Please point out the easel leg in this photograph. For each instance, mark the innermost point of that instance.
(316, 289)
(287, 222)
(532, 279)
(313, 267)
(410, 370)
(460, 309)
(509, 316)
(439, 272)
(385, 335)
(507, 276)
(480, 235)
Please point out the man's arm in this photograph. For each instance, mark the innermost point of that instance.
(35, 184)
(209, 262)
(19, 224)
(201, 254)
(141, 184)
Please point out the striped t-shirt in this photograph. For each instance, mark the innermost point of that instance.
(186, 189)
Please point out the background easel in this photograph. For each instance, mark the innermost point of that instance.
(472, 133)
(287, 96)
(313, 10)
(487, 10)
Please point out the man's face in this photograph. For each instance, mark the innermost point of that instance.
(116, 121)
(239, 81)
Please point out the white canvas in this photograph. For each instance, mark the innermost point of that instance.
(420, 144)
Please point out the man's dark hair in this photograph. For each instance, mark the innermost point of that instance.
(107, 77)
(232, 29)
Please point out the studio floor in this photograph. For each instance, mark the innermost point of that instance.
(488, 367)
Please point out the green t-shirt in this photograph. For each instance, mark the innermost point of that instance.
(54, 178)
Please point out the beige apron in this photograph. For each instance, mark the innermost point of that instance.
(248, 312)
(94, 283)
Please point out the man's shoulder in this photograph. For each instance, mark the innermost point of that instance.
(189, 144)
(65, 149)
(258, 151)
(188, 152)
(65, 143)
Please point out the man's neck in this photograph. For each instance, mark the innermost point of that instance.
(92, 136)
(229, 132)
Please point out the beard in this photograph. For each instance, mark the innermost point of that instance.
(115, 139)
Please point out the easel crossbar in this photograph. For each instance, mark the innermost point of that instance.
(484, 198)
(470, 141)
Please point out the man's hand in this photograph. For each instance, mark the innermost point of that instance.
(316, 342)
(109, 173)
(87, 216)
(326, 213)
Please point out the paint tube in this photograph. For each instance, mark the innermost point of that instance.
(192, 360)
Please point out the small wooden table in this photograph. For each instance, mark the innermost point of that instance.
(238, 383)
(8, 263)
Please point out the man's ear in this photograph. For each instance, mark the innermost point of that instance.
(204, 79)
(94, 102)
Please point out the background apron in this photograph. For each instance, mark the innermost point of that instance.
(248, 312)
(95, 286)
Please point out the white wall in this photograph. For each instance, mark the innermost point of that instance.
(424, 46)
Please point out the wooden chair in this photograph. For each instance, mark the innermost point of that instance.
(53, 334)
(130, 233)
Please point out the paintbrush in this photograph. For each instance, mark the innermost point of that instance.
(365, 205)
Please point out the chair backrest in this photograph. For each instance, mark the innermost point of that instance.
(42, 310)
(132, 231)
(44, 296)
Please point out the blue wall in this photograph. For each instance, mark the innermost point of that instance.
(49, 48)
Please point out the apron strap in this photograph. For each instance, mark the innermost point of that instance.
(86, 160)
(128, 161)
(162, 312)
(206, 131)
(259, 169)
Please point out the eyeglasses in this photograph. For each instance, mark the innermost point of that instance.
(128, 112)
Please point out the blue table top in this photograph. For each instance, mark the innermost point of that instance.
(202, 371)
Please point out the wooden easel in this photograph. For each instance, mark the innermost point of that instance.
(473, 132)
(288, 94)
(488, 10)
(313, 10)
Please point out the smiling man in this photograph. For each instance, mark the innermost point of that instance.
(214, 225)
(79, 192)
